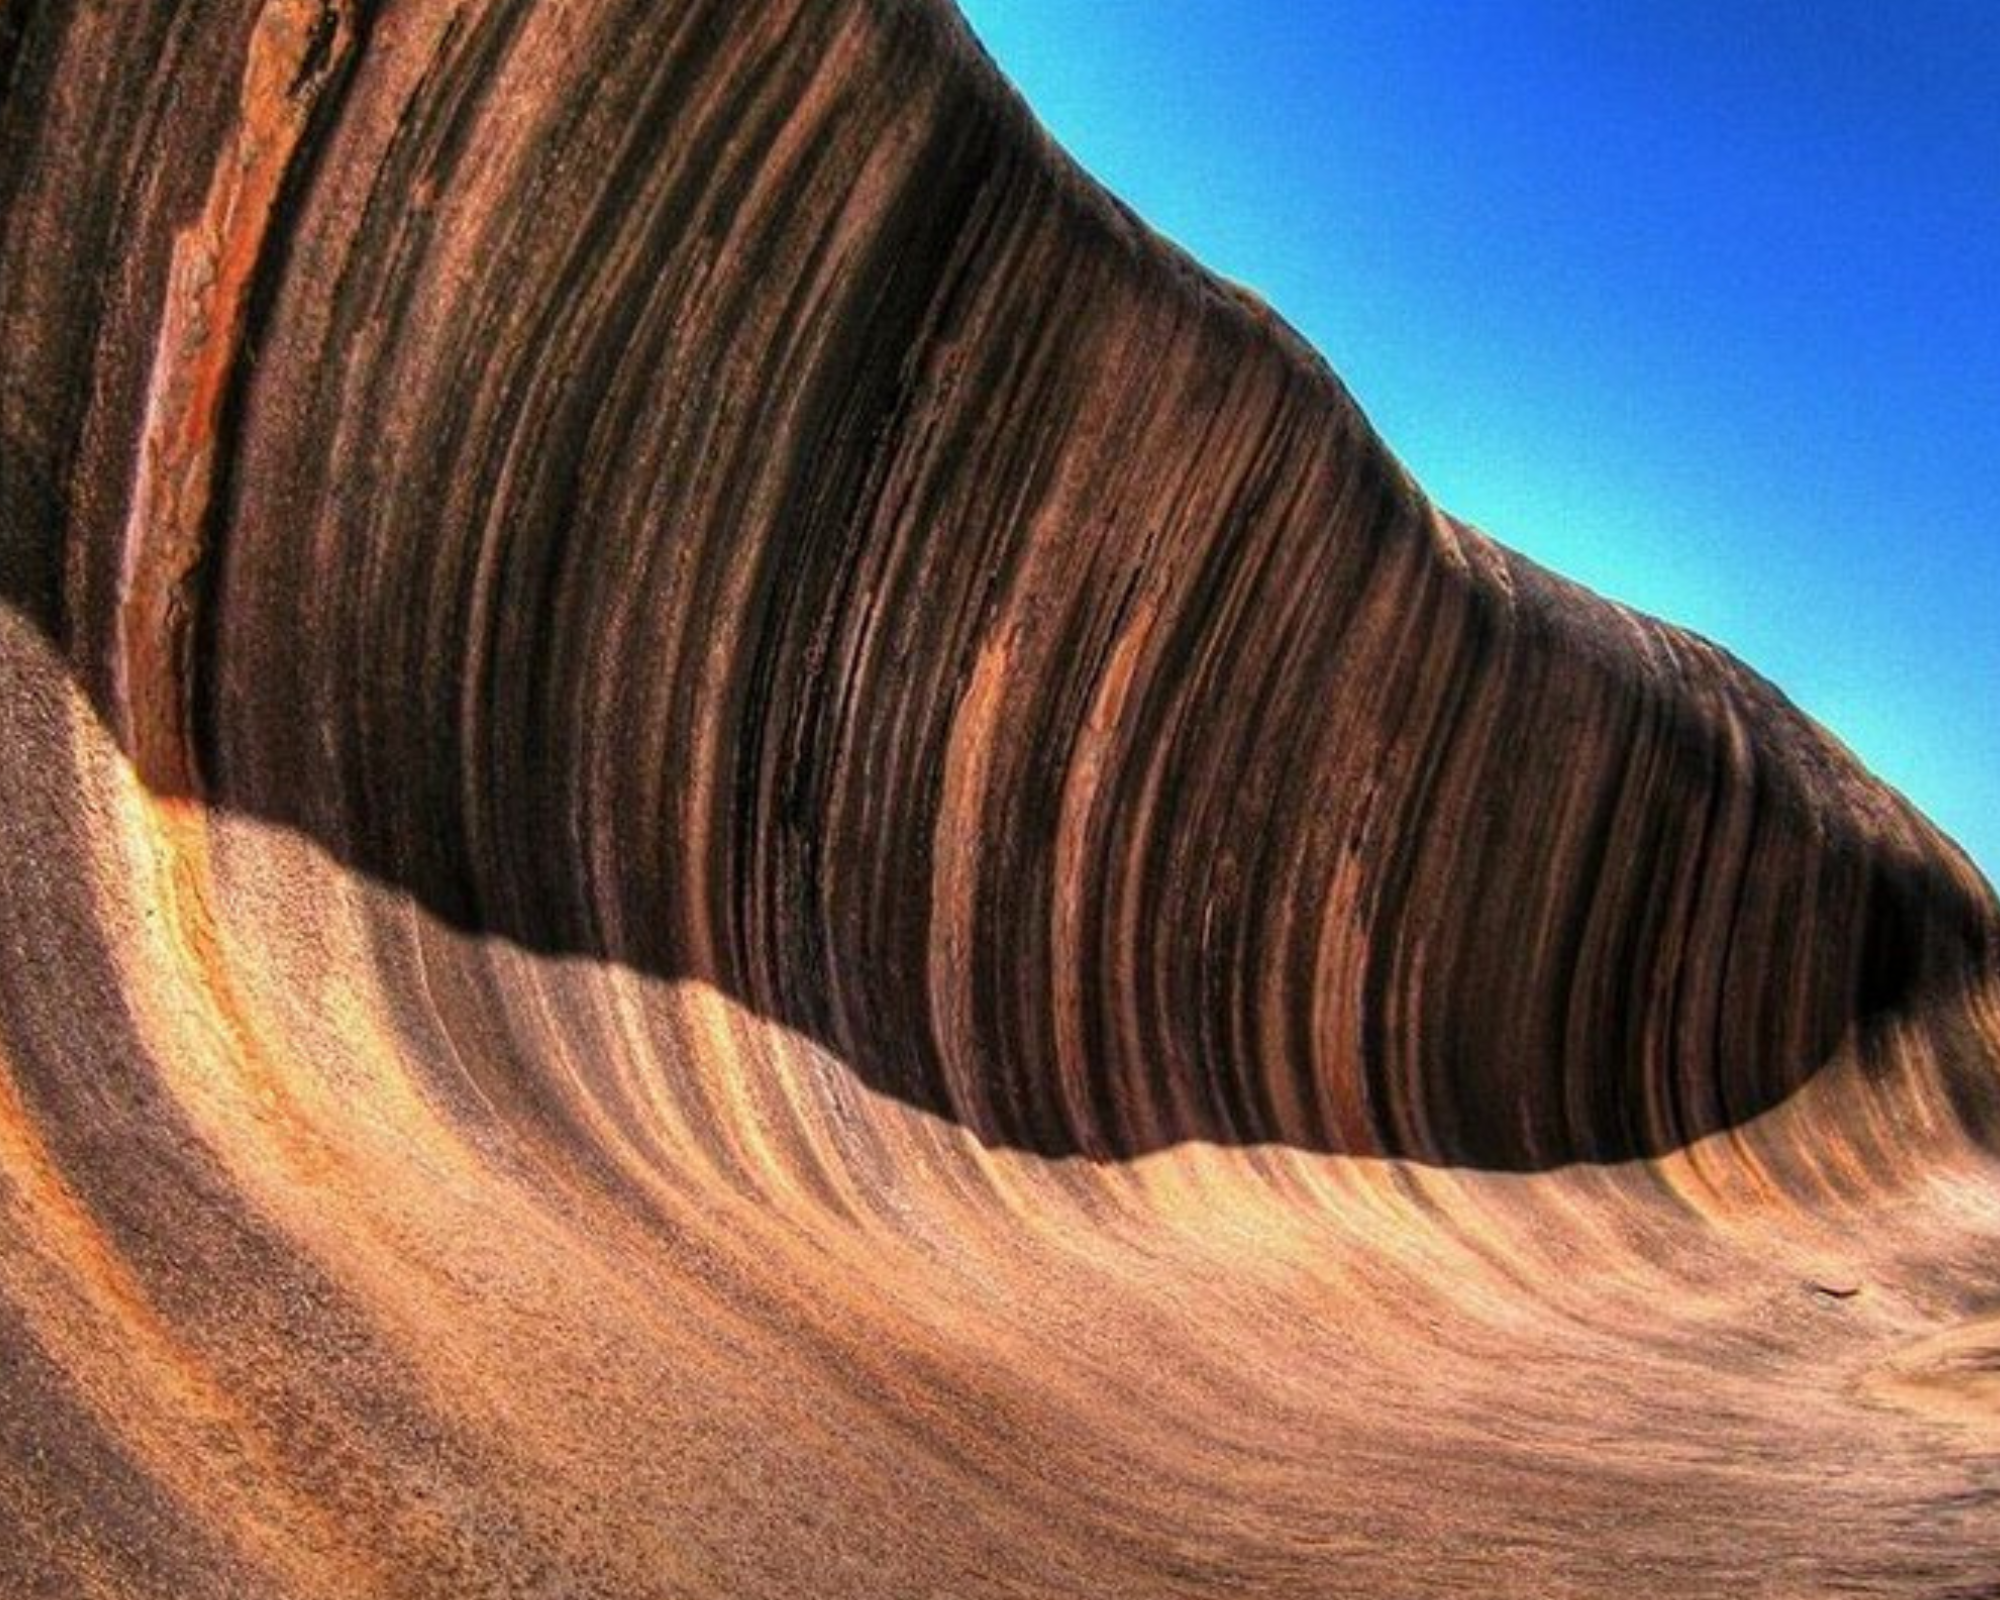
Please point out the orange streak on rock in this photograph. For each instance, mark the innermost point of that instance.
(293, 48)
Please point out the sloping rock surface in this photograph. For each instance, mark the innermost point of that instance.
(743, 854)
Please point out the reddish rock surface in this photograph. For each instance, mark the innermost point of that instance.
(743, 854)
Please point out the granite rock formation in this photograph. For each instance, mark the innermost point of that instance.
(743, 854)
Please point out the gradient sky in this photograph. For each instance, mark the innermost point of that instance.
(1697, 303)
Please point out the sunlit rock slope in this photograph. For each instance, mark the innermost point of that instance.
(742, 854)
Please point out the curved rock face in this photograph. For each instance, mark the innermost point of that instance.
(746, 855)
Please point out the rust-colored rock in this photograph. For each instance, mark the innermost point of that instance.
(744, 855)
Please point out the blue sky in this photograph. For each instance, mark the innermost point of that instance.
(1697, 303)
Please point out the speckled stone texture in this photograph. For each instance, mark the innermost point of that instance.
(743, 854)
